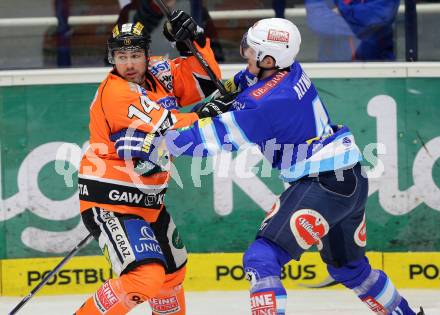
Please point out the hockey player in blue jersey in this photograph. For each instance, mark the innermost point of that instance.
(278, 108)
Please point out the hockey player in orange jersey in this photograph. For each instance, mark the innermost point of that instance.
(121, 203)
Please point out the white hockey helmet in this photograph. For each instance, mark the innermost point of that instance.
(275, 37)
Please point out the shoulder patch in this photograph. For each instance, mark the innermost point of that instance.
(160, 68)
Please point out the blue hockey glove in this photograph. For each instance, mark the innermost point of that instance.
(143, 148)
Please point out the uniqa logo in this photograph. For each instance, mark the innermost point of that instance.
(147, 234)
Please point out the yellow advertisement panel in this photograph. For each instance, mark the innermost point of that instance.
(1, 279)
(413, 270)
(81, 275)
(225, 272)
(217, 271)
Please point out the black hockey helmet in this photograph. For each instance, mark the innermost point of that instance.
(128, 36)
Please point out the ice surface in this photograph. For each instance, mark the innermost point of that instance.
(300, 302)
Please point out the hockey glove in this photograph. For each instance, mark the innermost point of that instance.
(182, 27)
(143, 148)
(217, 106)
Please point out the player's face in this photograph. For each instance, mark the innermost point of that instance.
(131, 65)
(250, 56)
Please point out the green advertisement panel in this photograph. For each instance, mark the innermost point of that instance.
(219, 203)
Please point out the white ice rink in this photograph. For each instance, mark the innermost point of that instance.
(310, 302)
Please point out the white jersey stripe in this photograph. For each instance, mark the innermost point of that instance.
(128, 147)
(140, 139)
(210, 138)
(235, 132)
(104, 240)
(385, 297)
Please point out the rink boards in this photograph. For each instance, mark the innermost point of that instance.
(210, 272)
(391, 104)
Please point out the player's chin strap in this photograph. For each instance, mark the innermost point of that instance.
(260, 73)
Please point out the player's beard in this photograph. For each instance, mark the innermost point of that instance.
(138, 78)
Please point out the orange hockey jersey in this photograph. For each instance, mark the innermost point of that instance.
(106, 181)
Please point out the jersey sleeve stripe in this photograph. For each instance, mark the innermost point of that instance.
(237, 135)
(335, 155)
(228, 132)
(139, 139)
(128, 147)
(210, 138)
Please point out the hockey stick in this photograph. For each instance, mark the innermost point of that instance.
(50, 274)
(218, 84)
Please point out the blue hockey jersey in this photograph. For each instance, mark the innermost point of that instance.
(285, 117)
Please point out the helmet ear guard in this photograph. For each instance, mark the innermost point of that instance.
(274, 37)
(127, 37)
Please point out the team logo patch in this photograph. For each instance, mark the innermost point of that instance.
(165, 305)
(346, 141)
(105, 298)
(308, 226)
(263, 303)
(374, 305)
(278, 36)
(360, 235)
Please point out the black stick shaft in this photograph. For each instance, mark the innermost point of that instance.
(164, 8)
(218, 84)
(50, 275)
